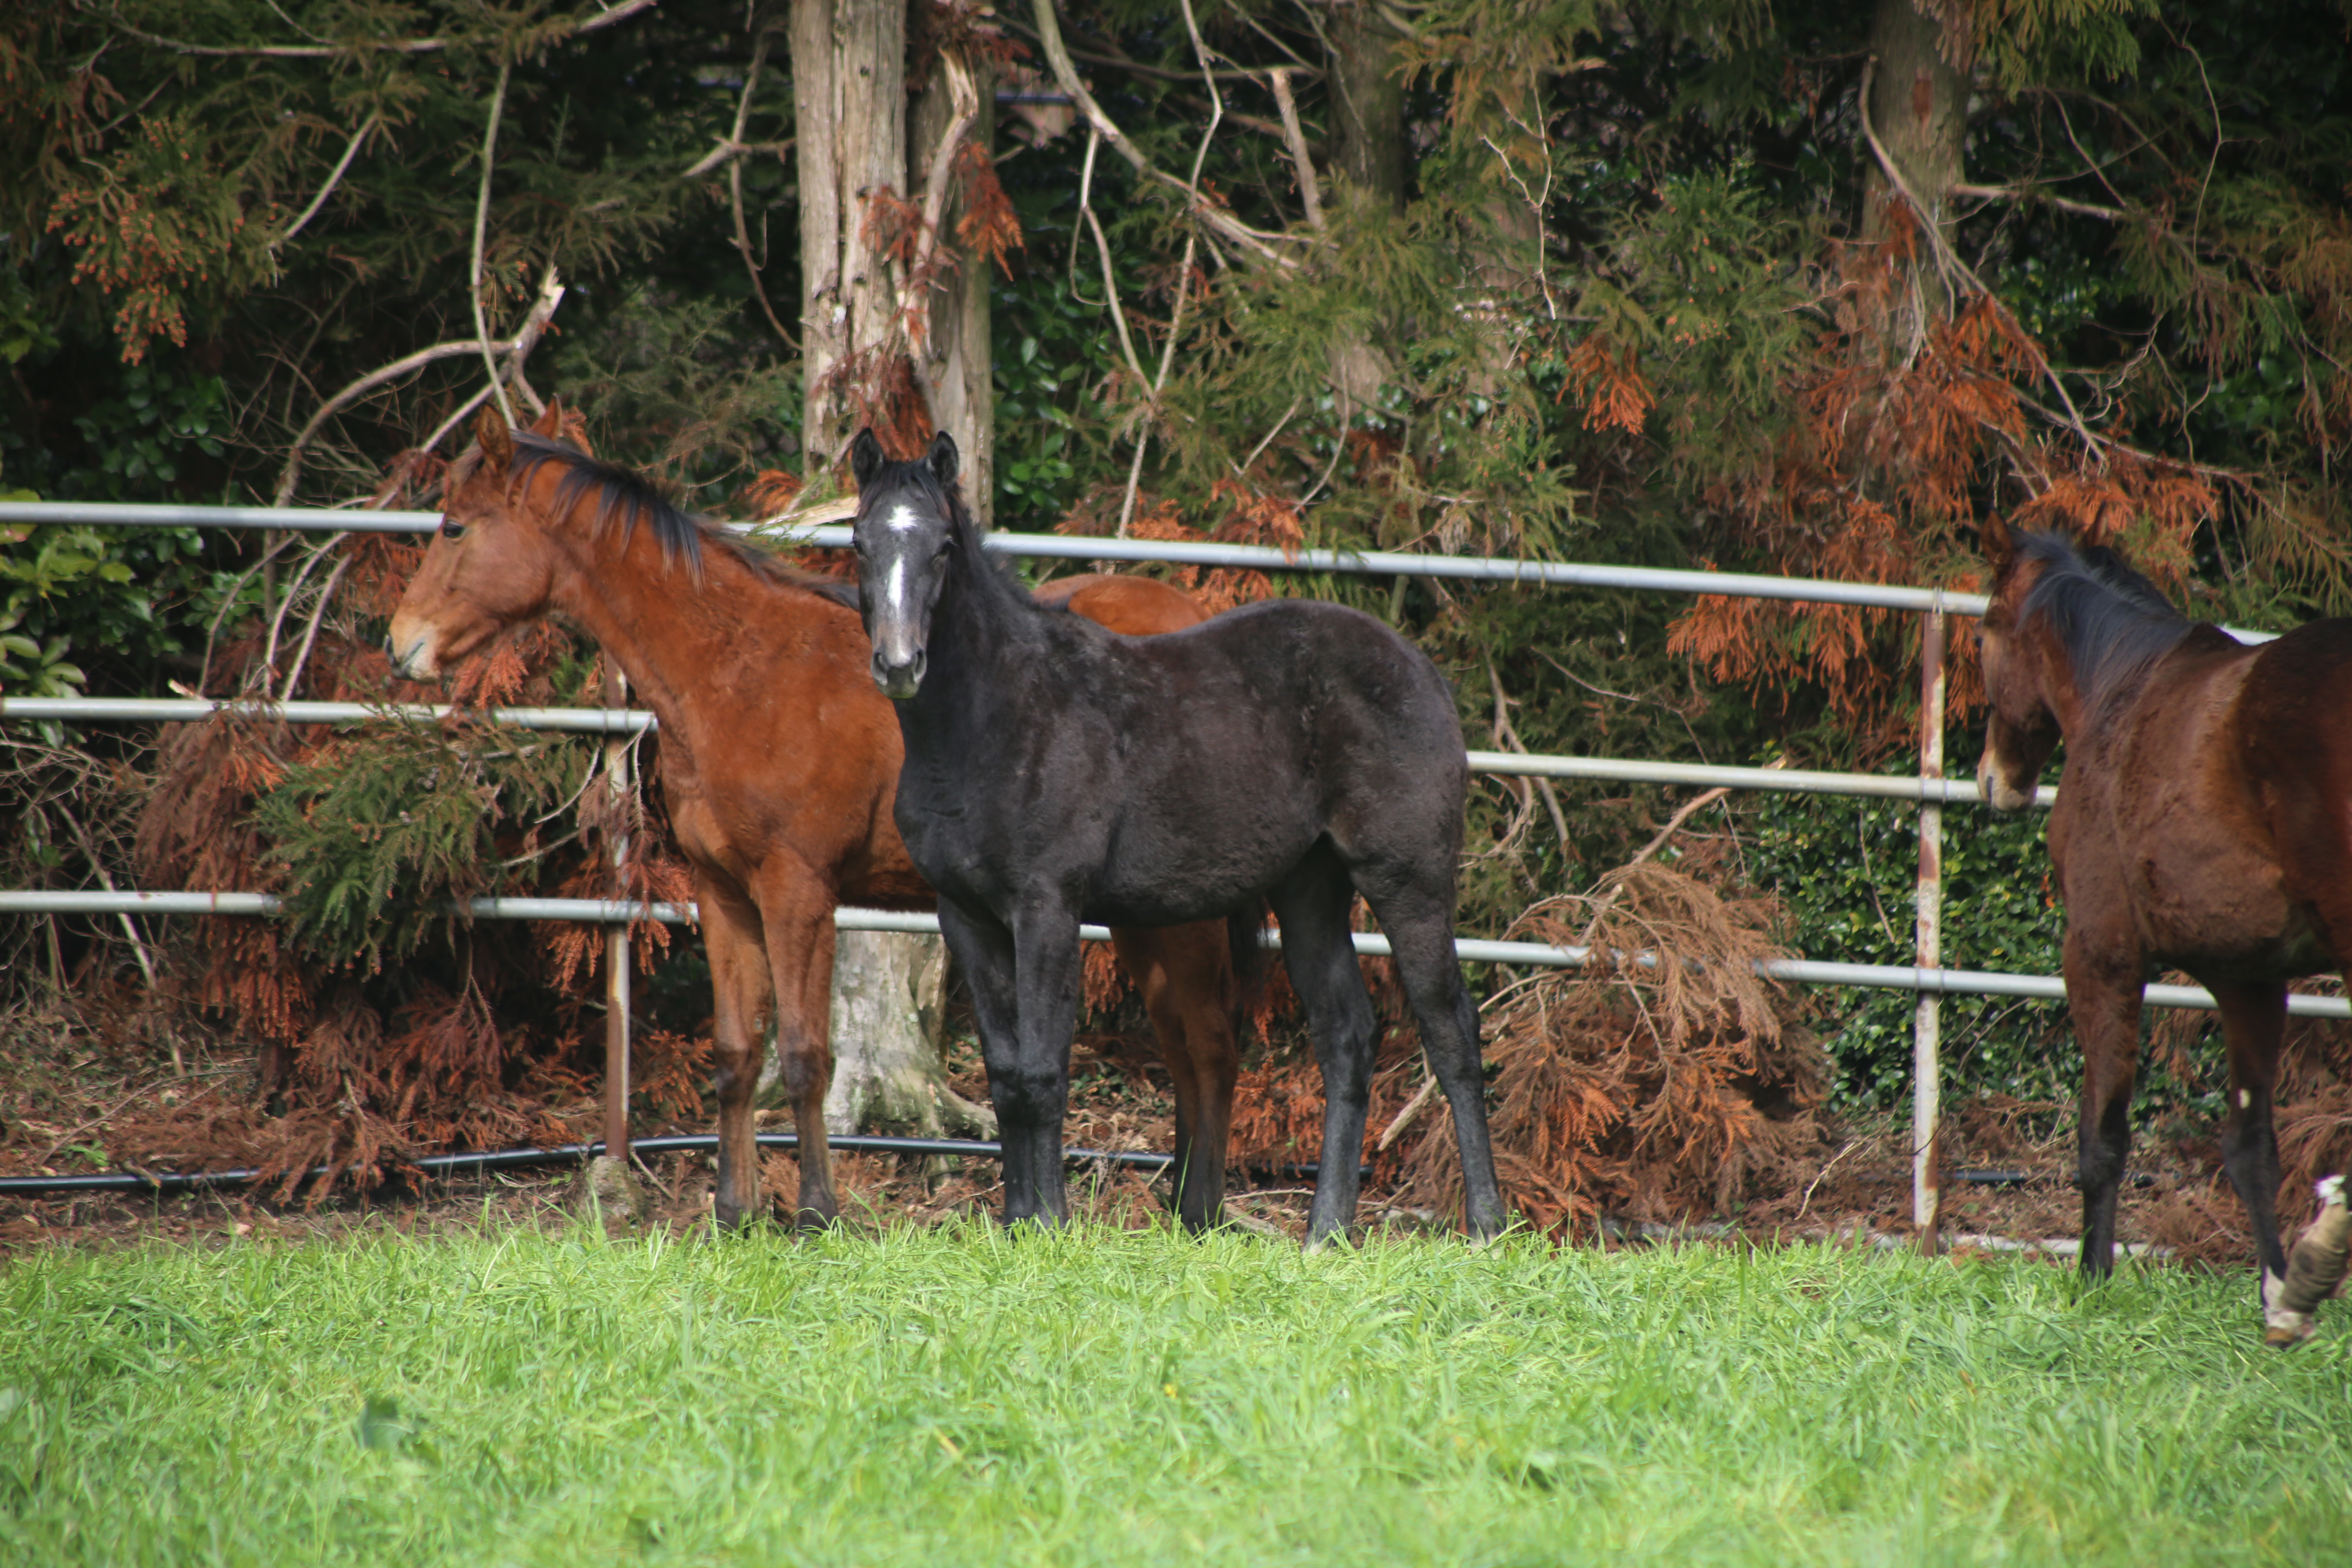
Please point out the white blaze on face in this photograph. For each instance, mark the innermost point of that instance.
(902, 521)
(895, 632)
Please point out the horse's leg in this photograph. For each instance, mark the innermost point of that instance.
(985, 953)
(739, 997)
(1183, 972)
(798, 914)
(1420, 929)
(1317, 949)
(2105, 997)
(2253, 1018)
(1048, 978)
(1141, 951)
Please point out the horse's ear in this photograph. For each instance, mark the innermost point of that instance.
(865, 457)
(549, 423)
(496, 440)
(1998, 544)
(943, 459)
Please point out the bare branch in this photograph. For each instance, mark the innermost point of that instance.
(550, 293)
(1219, 220)
(333, 179)
(318, 617)
(1310, 191)
(1946, 254)
(482, 218)
(1160, 73)
(598, 20)
(964, 95)
(2036, 193)
(731, 150)
(292, 473)
(1110, 289)
(1217, 108)
(1167, 359)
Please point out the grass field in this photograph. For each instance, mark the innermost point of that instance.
(956, 1396)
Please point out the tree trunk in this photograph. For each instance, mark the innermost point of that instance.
(958, 367)
(1920, 108)
(849, 64)
(1367, 105)
(1367, 137)
(889, 1007)
(852, 120)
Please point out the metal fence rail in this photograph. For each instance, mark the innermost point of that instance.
(1471, 950)
(1067, 547)
(612, 721)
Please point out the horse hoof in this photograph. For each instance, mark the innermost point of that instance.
(2285, 1331)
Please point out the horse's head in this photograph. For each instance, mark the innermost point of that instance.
(2021, 728)
(906, 532)
(489, 569)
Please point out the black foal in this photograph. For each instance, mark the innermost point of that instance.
(1290, 751)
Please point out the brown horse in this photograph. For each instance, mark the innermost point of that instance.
(779, 762)
(2205, 825)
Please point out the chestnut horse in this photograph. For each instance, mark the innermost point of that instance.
(2205, 824)
(779, 761)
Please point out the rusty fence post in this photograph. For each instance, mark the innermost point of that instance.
(616, 935)
(1926, 1020)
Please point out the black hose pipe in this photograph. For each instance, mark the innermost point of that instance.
(510, 1159)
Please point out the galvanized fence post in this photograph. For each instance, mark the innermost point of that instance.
(1926, 1019)
(616, 935)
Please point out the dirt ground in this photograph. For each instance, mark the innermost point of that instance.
(71, 1103)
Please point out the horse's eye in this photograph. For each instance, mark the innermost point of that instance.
(452, 529)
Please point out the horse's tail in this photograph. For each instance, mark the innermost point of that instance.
(1244, 938)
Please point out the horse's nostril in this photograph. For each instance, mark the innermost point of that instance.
(388, 652)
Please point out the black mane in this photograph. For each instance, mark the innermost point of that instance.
(631, 498)
(2111, 620)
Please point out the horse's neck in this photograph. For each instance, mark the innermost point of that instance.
(2061, 689)
(667, 632)
(982, 633)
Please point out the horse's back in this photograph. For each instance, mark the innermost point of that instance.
(1329, 696)
(1132, 606)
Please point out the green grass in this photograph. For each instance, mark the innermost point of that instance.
(959, 1396)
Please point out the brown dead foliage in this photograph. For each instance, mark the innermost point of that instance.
(1908, 420)
(486, 1043)
(1665, 1089)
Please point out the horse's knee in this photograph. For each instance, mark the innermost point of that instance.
(1026, 1096)
(2098, 1169)
(805, 1071)
(734, 1075)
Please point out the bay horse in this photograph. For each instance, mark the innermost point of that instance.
(2205, 825)
(778, 759)
(1288, 752)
